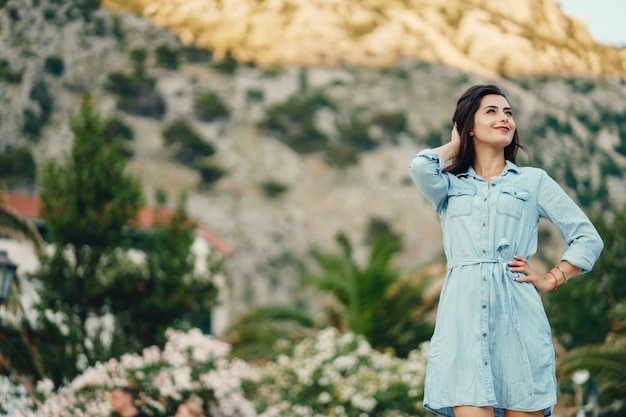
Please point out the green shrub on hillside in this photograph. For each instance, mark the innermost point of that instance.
(273, 189)
(167, 57)
(194, 54)
(210, 172)
(17, 164)
(54, 65)
(34, 120)
(209, 107)
(227, 65)
(136, 94)
(7, 74)
(188, 145)
(355, 133)
(115, 128)
(293, 122)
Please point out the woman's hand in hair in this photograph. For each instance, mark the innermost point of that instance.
(451, 149)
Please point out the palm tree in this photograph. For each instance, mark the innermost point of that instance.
(389, 311)
(18, 357)
(607, 367)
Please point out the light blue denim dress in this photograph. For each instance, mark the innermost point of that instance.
(492, 342)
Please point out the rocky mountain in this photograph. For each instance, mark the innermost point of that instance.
(310, 138)
(508, 37)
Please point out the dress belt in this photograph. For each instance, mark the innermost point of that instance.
(507, 308)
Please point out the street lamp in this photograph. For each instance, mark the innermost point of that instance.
(7, 274)
(579, 378)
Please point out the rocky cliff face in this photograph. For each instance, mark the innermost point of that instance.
(478, 36)
(404, 58)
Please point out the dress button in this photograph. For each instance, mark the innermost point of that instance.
(484, 224)
(484, 334)
(484, 251)
(486, 363)
(484, 278)
(484, 305)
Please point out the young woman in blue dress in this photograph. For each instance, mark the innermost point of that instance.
(491, 353)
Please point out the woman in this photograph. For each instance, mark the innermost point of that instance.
(491, 352)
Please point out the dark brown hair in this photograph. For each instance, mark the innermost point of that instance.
(466, 108)
(128, 390)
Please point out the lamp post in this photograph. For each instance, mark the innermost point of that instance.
(579, 378)
(7, 274)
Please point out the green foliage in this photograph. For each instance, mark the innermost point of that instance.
(99, 27)
(167, 292)
(584, 312)
(339, 375)
(606, 365)
(197, 55)
(87, 203)
(209, 107)
(34, 120)
(17, 165)
(372, 304)
(90, 192)
(210, 172)
(255, 95)
(40, 94)
(341, 156)
(7, 74)
(90, 206)
(187, 144)
(254, 334)
(136, 92)
(17, 354)
(117, 29)
(293, 122)
(378, 228)
(54, 65)
(167, 57)
(273, 189)
(114, 129)
(390, 122)
(86, 8)
(227, 65)
(191, 364)
(355, 133)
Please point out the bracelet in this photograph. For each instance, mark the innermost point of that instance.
(562, 272)
(556, 281)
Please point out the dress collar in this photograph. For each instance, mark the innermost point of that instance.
(508, 167)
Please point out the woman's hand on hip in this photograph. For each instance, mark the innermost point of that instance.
(541, 282)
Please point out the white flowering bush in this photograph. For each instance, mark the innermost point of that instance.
(191, 363)
(340, 375)
(334, 374)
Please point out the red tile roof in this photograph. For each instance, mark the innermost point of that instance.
(29, 206)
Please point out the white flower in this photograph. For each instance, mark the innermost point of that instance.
(324, 398)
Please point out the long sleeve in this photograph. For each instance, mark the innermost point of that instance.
(426, 171)
(583, 240)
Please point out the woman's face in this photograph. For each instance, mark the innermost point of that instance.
(493, 122)
(183, 411)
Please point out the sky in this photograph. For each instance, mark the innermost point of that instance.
(604, 18)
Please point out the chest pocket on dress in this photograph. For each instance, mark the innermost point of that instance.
(460, 201)
(512, 200)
